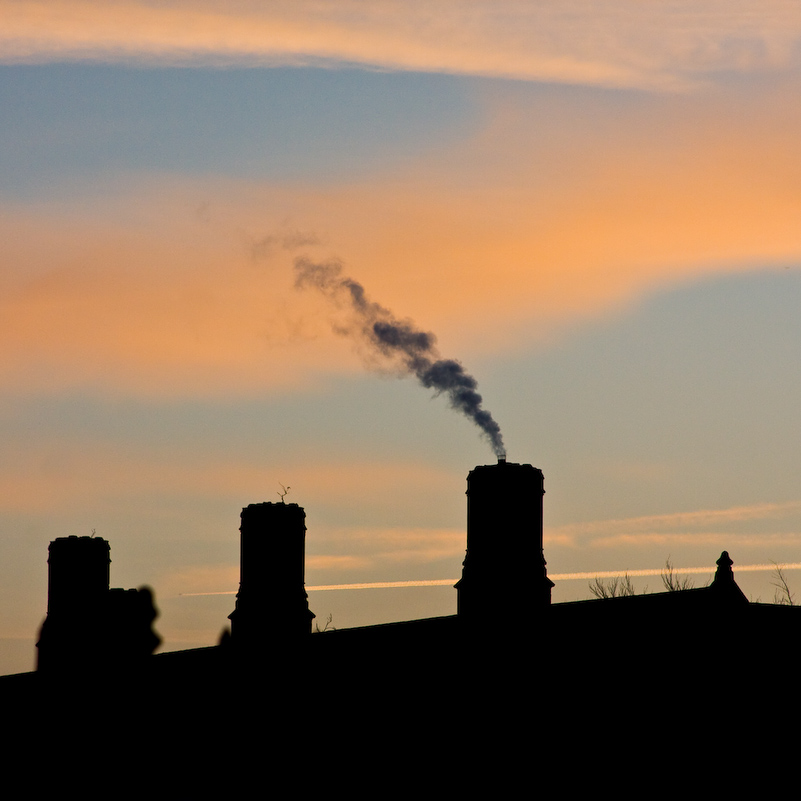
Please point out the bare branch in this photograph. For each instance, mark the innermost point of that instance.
(672, 582)
(601, 589)
(615, 587)
(782, 594)
(326, 627)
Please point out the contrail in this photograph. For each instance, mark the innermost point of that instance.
(370, 585)
(399, 339)
(382, 585)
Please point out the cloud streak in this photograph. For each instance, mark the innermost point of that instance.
(691, 527)
(695, 519)
(619, 43)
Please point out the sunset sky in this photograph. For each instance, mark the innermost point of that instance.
(595, 208)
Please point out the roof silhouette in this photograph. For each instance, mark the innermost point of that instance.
(472, 701)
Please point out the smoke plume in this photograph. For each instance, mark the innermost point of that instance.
(399, 340)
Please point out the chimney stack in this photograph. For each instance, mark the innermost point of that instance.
(89, 626)
(272, 604)
(77, 587)
(504, 577)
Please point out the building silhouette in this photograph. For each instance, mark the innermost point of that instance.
(88, 624)
(511, 683)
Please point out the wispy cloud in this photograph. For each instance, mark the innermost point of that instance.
(80, 474)
(347, 552)
(695, 571)
(619, 43)
(200, 580)
(690, 527)
(121, 301)
(369, 551)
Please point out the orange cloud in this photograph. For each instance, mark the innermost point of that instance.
(199, 579)
(515, 234)
(691, 528)
(386, 546)
(156, 307)
(177, 288)
(659, 44)
(93, 474)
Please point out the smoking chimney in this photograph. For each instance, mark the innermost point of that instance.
(503, 575)
(272, 604)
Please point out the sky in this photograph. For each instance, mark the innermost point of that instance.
(593, 209)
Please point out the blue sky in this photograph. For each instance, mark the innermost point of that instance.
(600, 223)
(76, 122)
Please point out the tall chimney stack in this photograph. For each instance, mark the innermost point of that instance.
(504, 578)
(272, 604)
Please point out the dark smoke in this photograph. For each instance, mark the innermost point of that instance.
(398, 339)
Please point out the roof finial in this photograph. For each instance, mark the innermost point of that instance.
(724, 571)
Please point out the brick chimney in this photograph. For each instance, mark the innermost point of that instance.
(272, 604)
(504, 578)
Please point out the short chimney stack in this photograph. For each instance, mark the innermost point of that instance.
(272, 605)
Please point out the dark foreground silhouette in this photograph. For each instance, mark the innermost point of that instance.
(512, 695)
